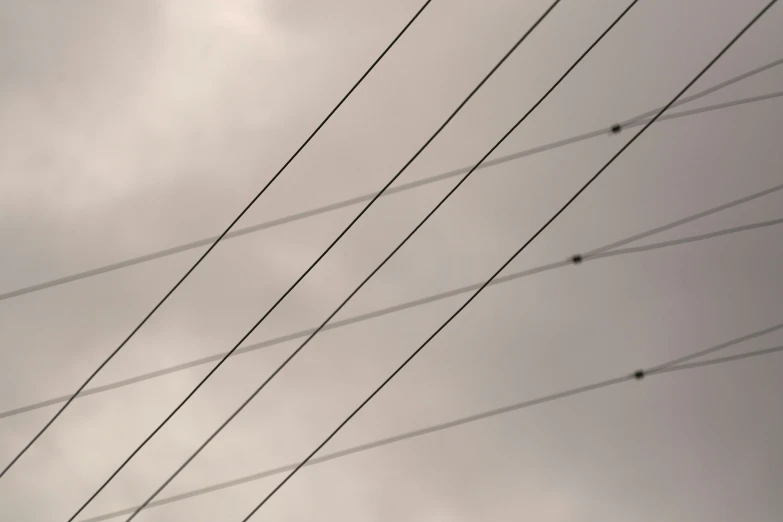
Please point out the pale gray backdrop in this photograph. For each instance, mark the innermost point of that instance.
(126, 127)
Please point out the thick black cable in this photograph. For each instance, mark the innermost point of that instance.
(603, 252)
(449, 425)
(214, 243)
(511, 259)
(304, 274)
(366, 197)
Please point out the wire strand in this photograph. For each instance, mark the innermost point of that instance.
(304, 274)
(291, 218)
(432, 429)
(684, 221)
(689, 239)
(681, 360)
(705, 92)
(720, 360)
(521, 249)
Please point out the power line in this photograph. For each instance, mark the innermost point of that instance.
(216, 241)
(306, 272)
(710, 90)
(606, 251)
(522, 248)
(724, 105)
(446, 426)
(389, 256)
(685, 220)
(160, 254)
(684, 359)
(720, 360)
(689, 239)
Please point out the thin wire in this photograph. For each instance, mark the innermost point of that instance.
(366, 197)
(522, 248)
(681, 360)
(725, 105)
(215, 243)
(707, 91)
(429, 430)
(683, 221)
(689, 239)
(599, 253)
(304, 274)
(721, 360)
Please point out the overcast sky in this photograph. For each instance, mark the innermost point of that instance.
(128, 127)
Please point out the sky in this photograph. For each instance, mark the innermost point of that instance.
(130, 127)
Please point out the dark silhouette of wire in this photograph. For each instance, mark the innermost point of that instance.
(451, 424)
(214, 243)
(606, 251)
(705, 92)
(306, 272)
(504, 265)
(366, 197)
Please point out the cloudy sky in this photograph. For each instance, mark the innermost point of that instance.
(130, 127)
